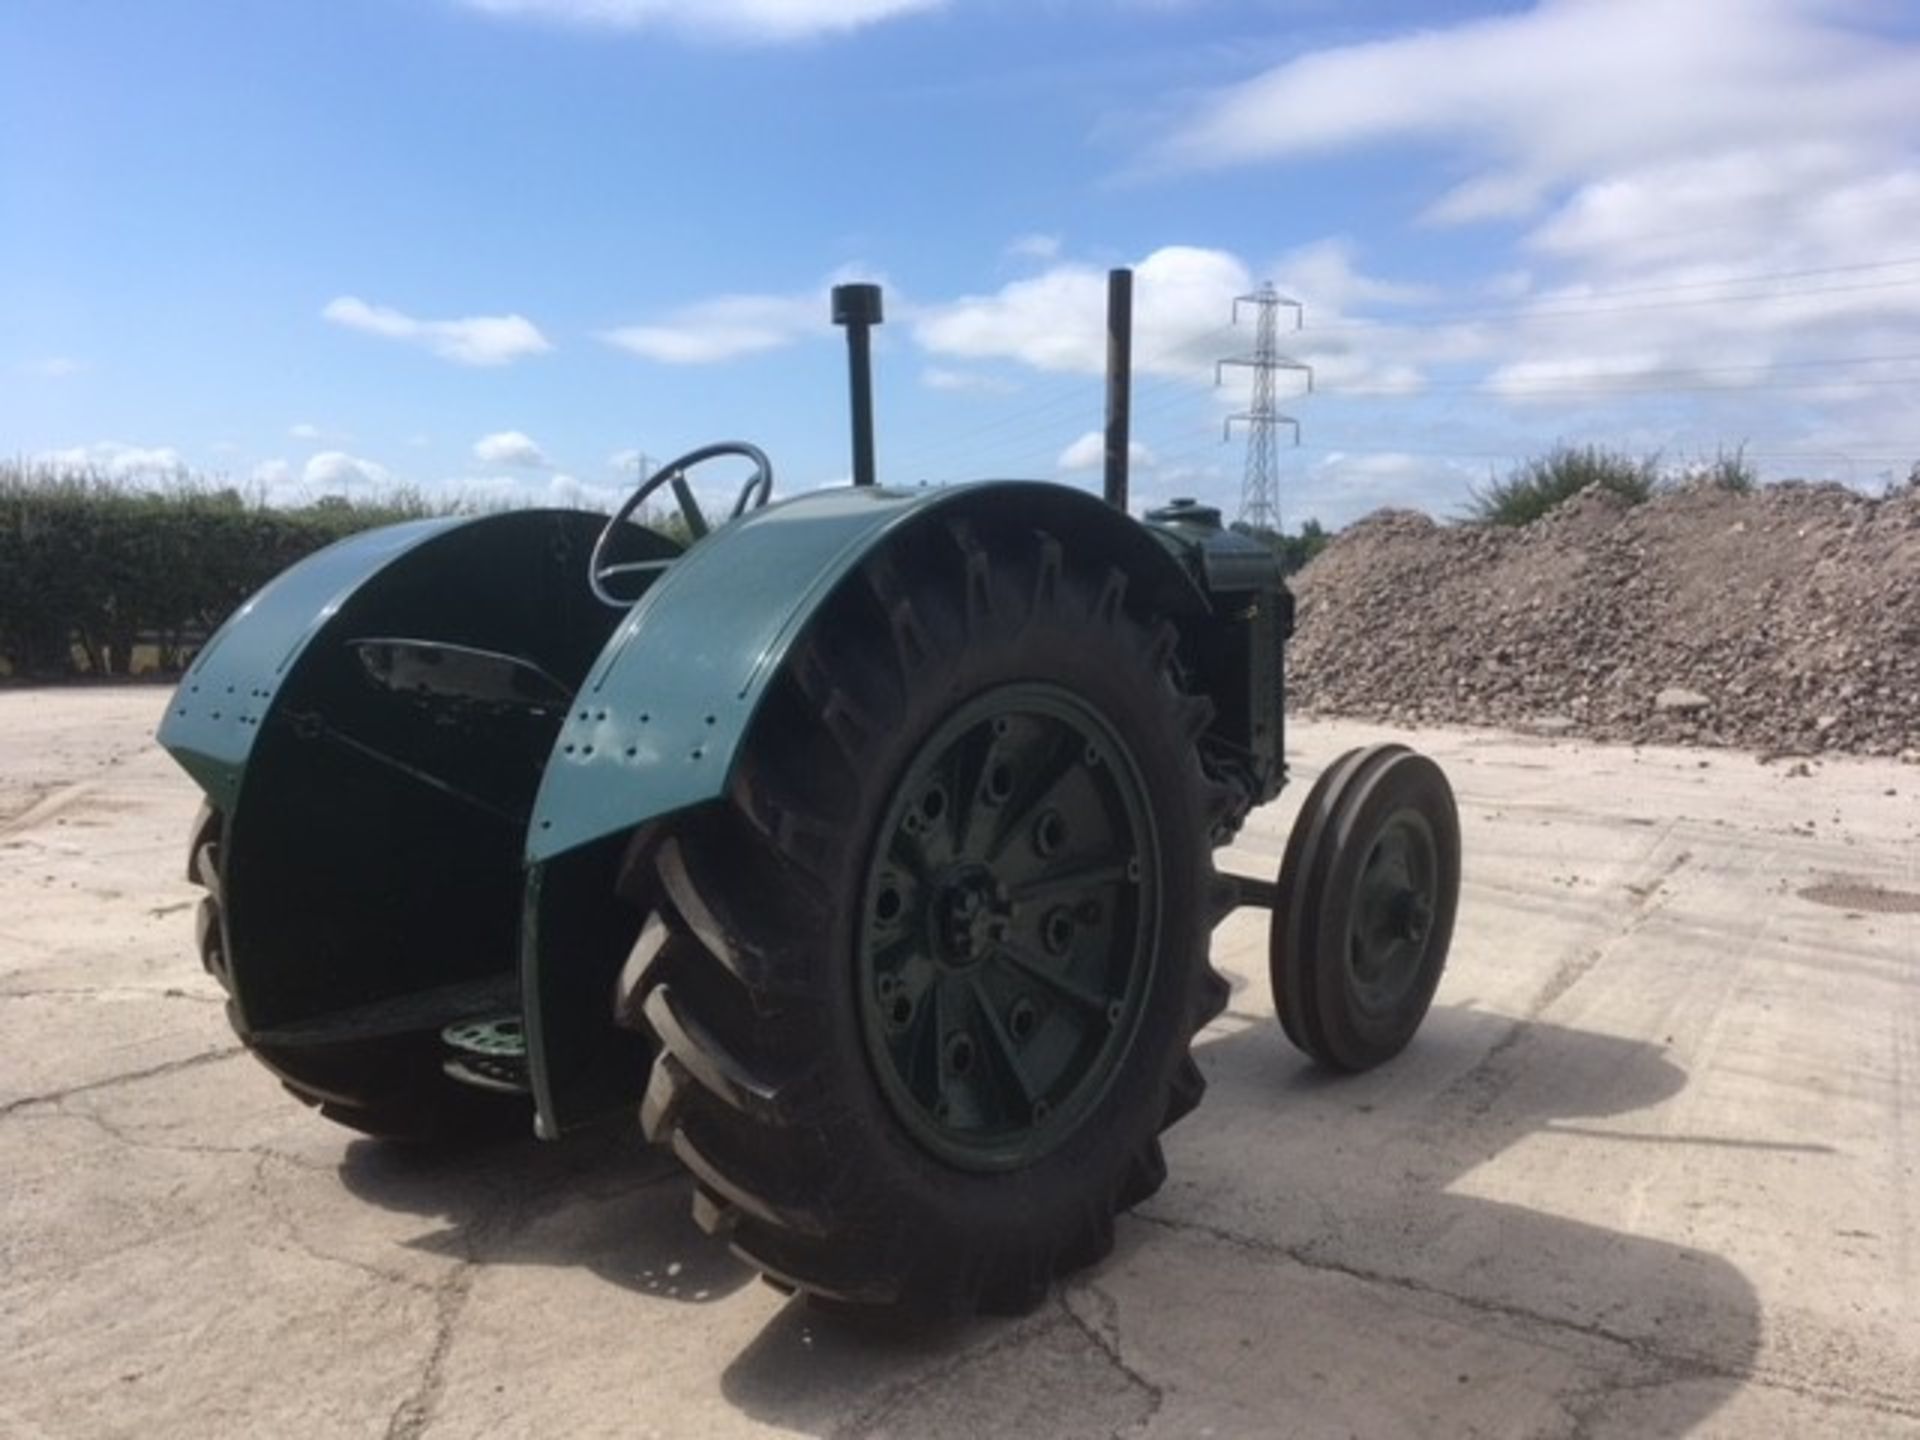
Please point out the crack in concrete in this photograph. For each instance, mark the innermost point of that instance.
(151, 1072)
(1326, 1265)
(106, 992)
(412, 1416)
(122, 1135)
(278, 1214)
(1105, 1337)
(1677, 1366)
(1649, 895)
(894, 1398)
(515, 1210)
(1475, 1093)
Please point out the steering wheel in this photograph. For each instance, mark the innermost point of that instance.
(754, 494)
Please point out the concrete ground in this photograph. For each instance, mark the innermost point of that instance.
(1649, 1169)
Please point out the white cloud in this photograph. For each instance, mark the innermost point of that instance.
(1183, 304)
(1034, 247)
(1089, 452)
(1552, 94)
(725, 328)
(572, 494)
(744, 20)
(278, 483)
(1323, 276)
(53, 367)
(507, 492)
(304, 431)
(1340, 487)
(1057, 320)
(336, 471)
(941, 377)
(119, 461)
(510, 447)
(1713, 196)
(475, 340)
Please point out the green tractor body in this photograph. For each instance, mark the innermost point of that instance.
(863, 845)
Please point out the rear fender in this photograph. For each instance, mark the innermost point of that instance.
(660, 723)
(215, 716)
(371, 726)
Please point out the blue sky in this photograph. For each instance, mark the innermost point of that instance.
(494, 247)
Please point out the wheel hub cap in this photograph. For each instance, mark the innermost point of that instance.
(1008, 927)
(972, 914)
(1392, 913)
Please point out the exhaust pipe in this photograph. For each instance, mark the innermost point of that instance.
(858, 308)
(1119, 383)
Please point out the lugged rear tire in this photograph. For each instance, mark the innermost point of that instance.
(784, 957)
(402, 1094)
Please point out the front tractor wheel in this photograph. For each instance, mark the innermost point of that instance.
(1368, 890)
(924, 985)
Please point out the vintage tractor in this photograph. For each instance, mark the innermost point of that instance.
(863, 842)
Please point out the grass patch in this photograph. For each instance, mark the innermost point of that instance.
(1535, 487)
(1730, 470)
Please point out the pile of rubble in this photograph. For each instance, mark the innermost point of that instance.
(1786, 621)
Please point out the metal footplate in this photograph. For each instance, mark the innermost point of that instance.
(488, 1054)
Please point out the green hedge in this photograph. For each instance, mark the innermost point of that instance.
(93, 573)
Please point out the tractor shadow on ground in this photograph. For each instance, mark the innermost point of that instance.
(602, 1199)
(1318, 1254)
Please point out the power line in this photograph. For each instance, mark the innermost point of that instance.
(1082, 392)
(1598, 391)
(1374, 446)
(1599, 381)
(1055, 399)
(1761, 366)
(1075, 392)
(1435, 320)
(1763, 275)
(1013, 431)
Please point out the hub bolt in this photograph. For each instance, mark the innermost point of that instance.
(959, 1052)
(1022, 1018)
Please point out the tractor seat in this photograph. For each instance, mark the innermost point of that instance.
(462, 674)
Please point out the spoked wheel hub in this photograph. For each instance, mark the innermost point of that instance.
(1006, 943)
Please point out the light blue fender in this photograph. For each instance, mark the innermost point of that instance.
(214, 718)
(660, 721)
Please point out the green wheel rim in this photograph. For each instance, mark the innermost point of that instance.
(1008, 923)
(1391, 918)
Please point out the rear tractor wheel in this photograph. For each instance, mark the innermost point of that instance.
(923, 987)
(400, 1086)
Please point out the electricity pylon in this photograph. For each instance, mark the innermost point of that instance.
(1259, 508)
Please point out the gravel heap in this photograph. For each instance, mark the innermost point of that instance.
(1785, 621)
